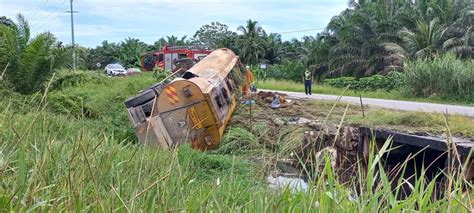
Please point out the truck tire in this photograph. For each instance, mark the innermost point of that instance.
(140, 98)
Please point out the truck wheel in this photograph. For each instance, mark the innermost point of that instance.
(140, 98)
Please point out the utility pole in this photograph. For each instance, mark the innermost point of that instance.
(72, 35)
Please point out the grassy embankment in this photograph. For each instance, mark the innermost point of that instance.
(324, 89)
(73, 149)
(412, 122)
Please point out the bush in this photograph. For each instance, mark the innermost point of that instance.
(72, 105)
(160, 74)
(391, 81)
(289, 70)
(68, 78)
(101, 101)
(445, 76)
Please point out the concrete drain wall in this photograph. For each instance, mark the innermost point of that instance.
(349, 149)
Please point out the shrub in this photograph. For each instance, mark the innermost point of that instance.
(72, 105)
(391, 81)
(259, 73)
(68, 78)
(443, 76)
(289, 70)
(160, 74)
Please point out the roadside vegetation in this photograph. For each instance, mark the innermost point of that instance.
(396, 94)
(62, 154)
(66, 143)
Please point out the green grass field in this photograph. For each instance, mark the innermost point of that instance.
(73, 149)
(324, 89)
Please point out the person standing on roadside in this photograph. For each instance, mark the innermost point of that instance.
(308, 80)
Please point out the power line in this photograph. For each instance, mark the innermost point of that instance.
(38, 8)
(297, 31)
(50, 16)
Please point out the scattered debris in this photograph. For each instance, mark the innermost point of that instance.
(281, 182)
(276, 102)
(299, 121)
(278, 121)
(269, 96)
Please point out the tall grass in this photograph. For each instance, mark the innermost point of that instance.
(67, 78)
(55, 161)
(444, 76)
(72, 166)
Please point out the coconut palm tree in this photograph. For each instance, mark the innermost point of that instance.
(250, 42)
(29, 62)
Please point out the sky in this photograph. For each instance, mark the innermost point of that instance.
(149, 20)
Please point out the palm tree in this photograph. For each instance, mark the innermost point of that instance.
(175, 41)
(250, 42)
(29, 62)
(425, 41)
(104, 54)
(273, 51)
(357, 37)
(131, 50)
(430, 39)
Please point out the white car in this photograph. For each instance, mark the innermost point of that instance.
(114, 70)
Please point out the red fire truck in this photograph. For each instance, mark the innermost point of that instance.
(167, 57)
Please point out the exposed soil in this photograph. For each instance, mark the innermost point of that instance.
(301, 134)
(296, 132)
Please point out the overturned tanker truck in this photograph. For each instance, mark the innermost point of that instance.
(193, 107)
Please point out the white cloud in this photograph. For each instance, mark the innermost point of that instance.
(148, 20)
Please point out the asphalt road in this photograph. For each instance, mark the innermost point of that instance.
(390, 104)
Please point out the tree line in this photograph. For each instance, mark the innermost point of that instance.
(367, 38)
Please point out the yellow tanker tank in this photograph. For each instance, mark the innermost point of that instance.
(193, 108)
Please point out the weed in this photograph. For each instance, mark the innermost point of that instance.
(238, 141)
(445, 76)
(52, 161)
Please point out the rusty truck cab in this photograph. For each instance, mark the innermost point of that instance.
(196, 107)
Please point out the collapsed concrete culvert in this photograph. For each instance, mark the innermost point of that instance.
(347, 150)
(341, 149)
(297, 133)
(327, 154)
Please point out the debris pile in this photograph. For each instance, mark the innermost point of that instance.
(275, 99)
(296, 132)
